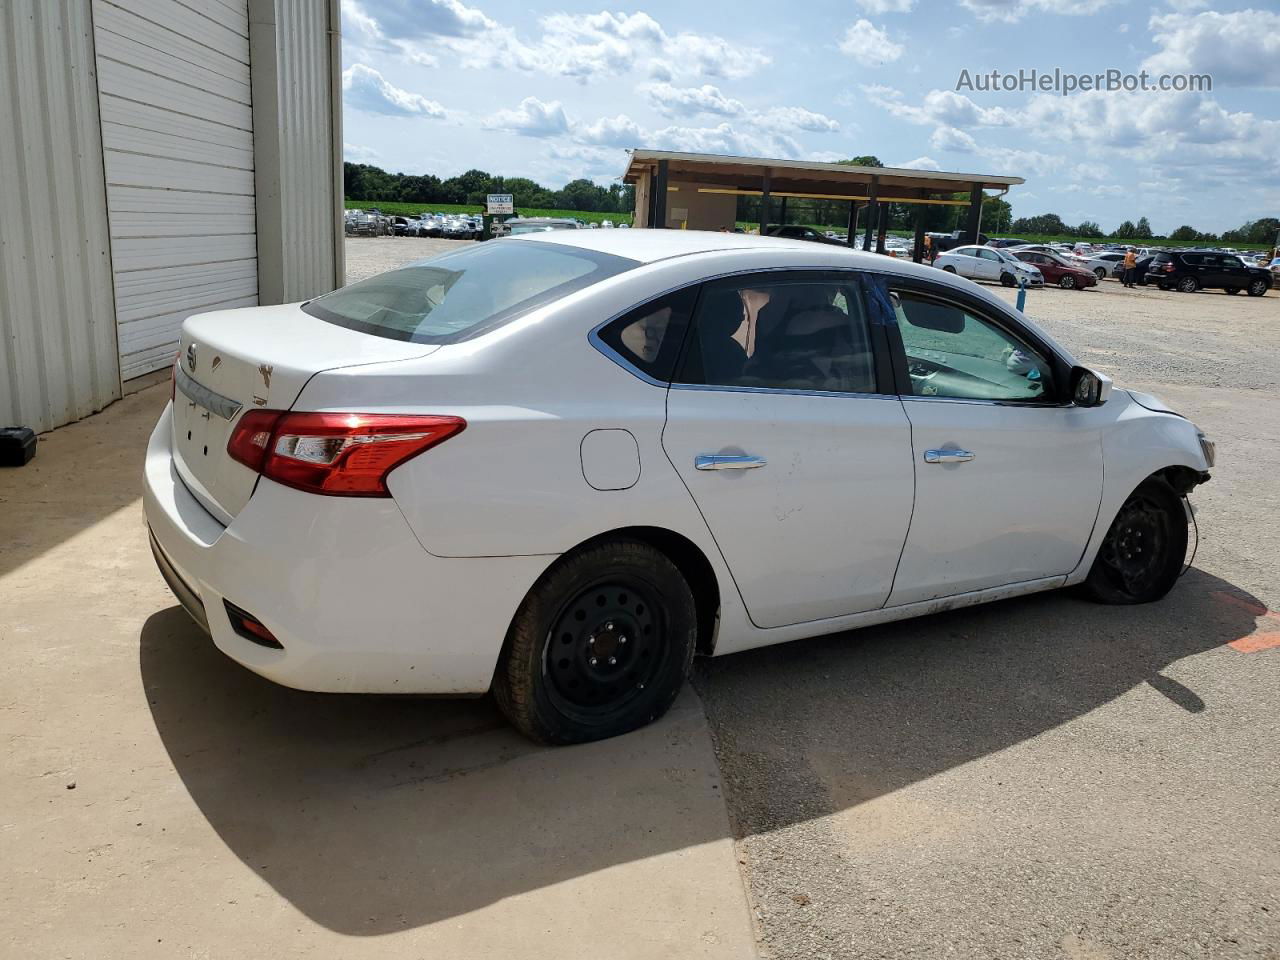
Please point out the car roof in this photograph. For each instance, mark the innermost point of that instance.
(650, 245)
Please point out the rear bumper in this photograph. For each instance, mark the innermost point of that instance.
(356, 602)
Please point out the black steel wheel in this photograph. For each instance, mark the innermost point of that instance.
(600, 646)
(1142, 554)
(1257, 288)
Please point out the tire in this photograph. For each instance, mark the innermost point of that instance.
(1141, 556)
(1188, 285)
(948, 269)
(1006, 280)
(616, 600)
(1067, 281)
(1257, 288)
(1100, 273)
(1230, 291)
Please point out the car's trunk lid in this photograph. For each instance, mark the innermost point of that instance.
(233, 361)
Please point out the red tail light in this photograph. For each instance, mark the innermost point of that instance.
(338, 454)
(1168, 268)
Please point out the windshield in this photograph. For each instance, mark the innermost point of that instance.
(463, 294)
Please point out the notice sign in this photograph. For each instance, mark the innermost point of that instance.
(500, 203)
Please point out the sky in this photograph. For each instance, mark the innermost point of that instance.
(560, 90)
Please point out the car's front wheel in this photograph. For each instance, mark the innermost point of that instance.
(1066, 281)
(1006, 280)
(1100, 273)
(600, 646)
(1257, 288)
(948, 269)
(1141, 555)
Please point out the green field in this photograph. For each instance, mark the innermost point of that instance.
(413, 209)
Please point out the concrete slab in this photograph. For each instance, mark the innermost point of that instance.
(160, 801)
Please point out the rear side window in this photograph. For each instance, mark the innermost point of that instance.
(649, 336)
(1162, 258)
(464, 294)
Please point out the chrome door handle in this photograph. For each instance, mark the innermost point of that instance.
(706, 461)
(947, 456)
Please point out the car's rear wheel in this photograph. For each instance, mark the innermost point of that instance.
(600, 646)
(1141, 555)
(1230, 291)
(1006, 279)
(1188, 285)
(1257, 288)
(1066, 281)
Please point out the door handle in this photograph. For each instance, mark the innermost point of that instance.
(947, 456)
(706, 461)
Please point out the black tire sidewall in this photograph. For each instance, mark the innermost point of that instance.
(1099, 585)
(521, 686)
(1067, 282)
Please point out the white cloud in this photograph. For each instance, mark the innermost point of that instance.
(940, 107)
(532, 118)
(796, 118)
(415, 19)
(1011, 11)
(619, 131)
(606, 44)
(920, 163)
(725, 138)
(870, 45)
(356, 153)
(949, 138)
(364, 88)
(1236, 49)
(887, 6)
(690, 101)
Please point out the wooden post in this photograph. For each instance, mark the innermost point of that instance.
(872, 208)
(660, 195)
(883, 228)
(975, 214)
(782, 213)
(851, 237)
(764, 204)
(917, 251)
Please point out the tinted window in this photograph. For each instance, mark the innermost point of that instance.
(787, 335)
(649, 337)
(463, 294)
(952, 353)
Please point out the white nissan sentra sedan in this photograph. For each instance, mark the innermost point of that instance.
(558, 466)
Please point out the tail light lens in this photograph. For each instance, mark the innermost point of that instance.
(1168, 268)
(337, 454)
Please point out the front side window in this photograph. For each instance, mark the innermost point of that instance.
(784, 335)
(953, 353)
(464, 294)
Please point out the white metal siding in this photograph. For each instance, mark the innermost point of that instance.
(177, 130)
(58, 358)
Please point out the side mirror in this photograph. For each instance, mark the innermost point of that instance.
(1089, 388)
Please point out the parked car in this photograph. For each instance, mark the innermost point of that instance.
(606, 224)
(1002, 242)
(397, 487)
(1100, 268)
(988, 263)
(522, 225)
(1195, 270)
(797, 232)
(1059, 270)
(1115, 259)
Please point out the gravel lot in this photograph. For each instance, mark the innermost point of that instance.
(367, 256)
(1041, 777)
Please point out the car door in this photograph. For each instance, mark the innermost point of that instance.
(993, 265)
(783, 423)
(1008, 474)
(967, 262)
(1232, 273)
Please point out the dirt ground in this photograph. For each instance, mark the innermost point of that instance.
(1036, 778)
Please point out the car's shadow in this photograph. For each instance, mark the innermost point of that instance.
(375, 814)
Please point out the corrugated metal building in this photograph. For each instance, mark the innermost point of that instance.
(160, 158)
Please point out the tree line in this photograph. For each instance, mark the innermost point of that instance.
(1261, 231)
(367, 183)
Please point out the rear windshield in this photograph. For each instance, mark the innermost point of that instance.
(463, 294)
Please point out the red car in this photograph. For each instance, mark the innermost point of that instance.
(1057, 270)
